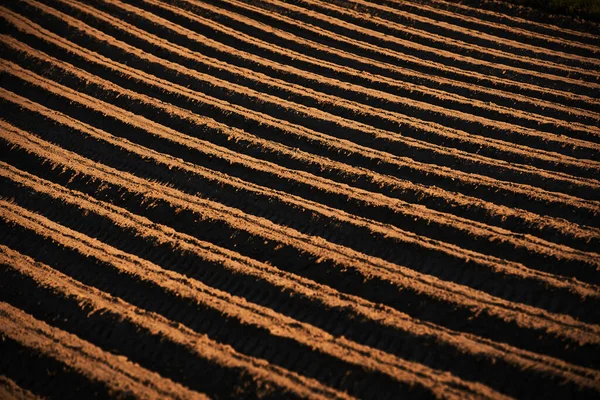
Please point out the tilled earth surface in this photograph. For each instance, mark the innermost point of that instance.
(297, 199)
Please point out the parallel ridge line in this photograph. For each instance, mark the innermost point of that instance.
(328, 254)
(468, 35)
(375, 53)
(382, 231)
(270, 379)
(353, 227)
(419, 149)
(192, 206)
(327, 299)
(363, 95)
(518, 28)
(341, 107)
(339, 60)
(397, 162)
(121, 377)
(232, 134)
(332, 17)
(397, 371)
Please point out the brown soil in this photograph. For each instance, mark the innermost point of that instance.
(307, 199)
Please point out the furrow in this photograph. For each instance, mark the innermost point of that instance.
(308, 199)
(431, 132)
(482, 40)
(110, 322)
(582, 93)
(312, 118)
(506, 26)
(315, 258)
(246, 33)
(342, 149)
(466, 114)
(415, 43)
(88, 364)
(363, 234)
(356, 318)
(337, 357)
(276, 172)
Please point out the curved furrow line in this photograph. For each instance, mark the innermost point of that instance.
(427, 46)
(101, 371)
(481, 40)
(314, 257)
(564, 91)
(298, 199)
(567, 258)
(319, 305)
(531, 196)
(131, 275)
(276, 169)
(362, 234)
(203, 150)
(110, 322)
(246, 33)
(505, 26)
(279, 128)
(391, 121)
(535, 253)
(466, 114)
(312, 118)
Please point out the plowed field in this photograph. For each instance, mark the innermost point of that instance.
(297, 199)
